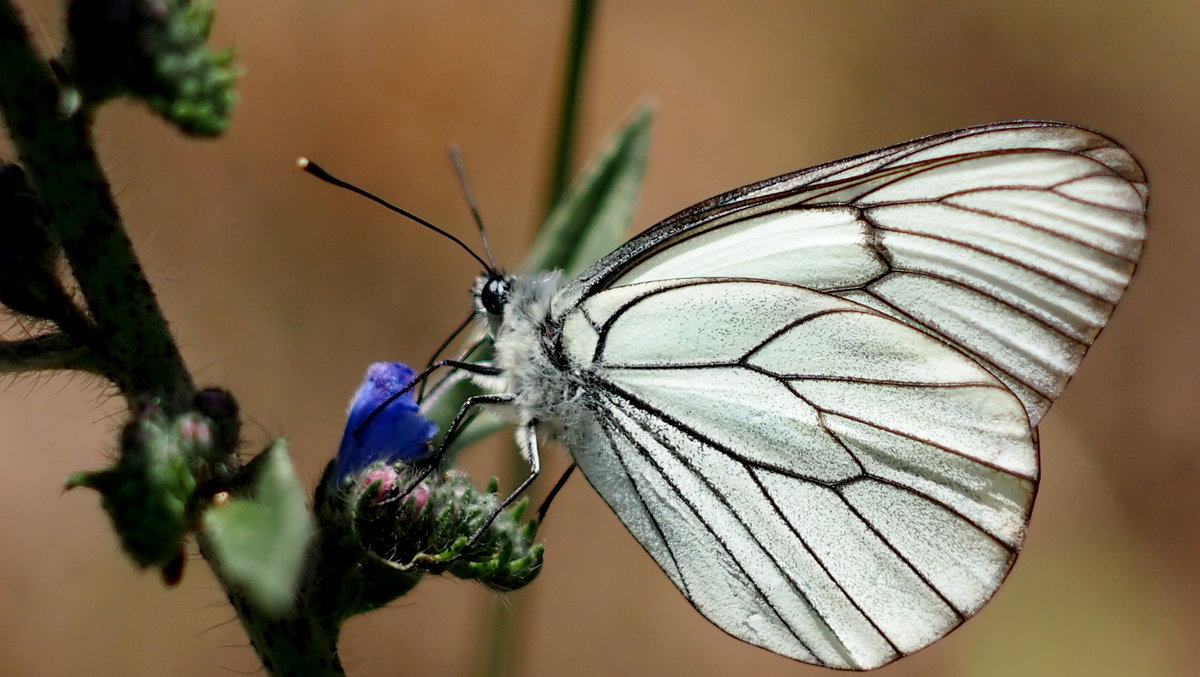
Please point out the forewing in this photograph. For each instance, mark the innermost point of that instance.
(1013, 242)
(816, 477)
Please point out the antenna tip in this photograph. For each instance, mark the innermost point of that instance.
(302, 162)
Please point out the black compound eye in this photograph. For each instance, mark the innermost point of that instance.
(494, 295)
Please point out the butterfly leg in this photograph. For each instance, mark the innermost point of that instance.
(453, 335)
(527, 441)
(562, 481)
(465, 354)
(470, 367)
(456, 427)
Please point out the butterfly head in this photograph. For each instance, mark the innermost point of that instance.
(491, 293)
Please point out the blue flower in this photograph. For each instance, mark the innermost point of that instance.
(379, 433)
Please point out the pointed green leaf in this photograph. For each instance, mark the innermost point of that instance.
(258, 541)
(590, 221)
(593, 217)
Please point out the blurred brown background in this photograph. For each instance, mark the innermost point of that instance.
(284, 289)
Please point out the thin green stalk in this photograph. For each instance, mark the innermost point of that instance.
(502, 657)
(582, 15)
(56, 151)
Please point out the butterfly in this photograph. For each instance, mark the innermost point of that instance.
(814, 399)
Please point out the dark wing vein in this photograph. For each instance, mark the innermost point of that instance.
(982, 358)
(867, 475)
(643, 406)
(887, 542)
(753, 467)
(914, 438)
(1027, 224)
(607, 426)
(994, 254)
(647, 457)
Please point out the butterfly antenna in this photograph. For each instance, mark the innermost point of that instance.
(457, 160)
(317, 171)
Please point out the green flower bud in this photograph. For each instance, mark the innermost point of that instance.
(148, 492)
(429, 529)
(155, 50)
(221, 409)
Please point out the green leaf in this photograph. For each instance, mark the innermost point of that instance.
(590, 221)
(258, 541)
(593, 217)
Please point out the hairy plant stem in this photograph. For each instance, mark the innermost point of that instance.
(304, 640)
(46, 352)
(130, 338)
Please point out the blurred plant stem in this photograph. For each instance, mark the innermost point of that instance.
(505, 648)
(176, 472)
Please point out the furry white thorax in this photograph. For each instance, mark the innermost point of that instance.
(524, 336)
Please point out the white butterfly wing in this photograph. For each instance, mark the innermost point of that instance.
(839, 510)
(1012, 241)
(844, 475)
